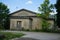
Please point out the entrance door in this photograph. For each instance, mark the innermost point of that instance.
(30, 24)
(18, 25)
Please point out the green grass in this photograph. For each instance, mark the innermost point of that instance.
(10, 35)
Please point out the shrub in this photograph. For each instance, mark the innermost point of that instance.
(45, 25)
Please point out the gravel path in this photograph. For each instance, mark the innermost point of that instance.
(42, 36)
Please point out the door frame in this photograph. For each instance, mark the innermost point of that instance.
(19, 27)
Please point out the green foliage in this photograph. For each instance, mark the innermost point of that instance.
(45, 25)
(3, 14)
(57, 6)
(45, 10)
(39, 15)
(9, 35)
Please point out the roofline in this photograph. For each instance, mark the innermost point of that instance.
(23, 10)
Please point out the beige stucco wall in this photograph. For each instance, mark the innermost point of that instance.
(36, 23)
(13, 23)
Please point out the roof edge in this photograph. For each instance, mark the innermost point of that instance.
(23, 10)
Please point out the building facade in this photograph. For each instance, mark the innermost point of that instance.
(26, 19)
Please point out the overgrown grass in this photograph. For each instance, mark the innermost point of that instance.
(10, 35)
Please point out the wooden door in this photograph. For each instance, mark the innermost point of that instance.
(19, 25)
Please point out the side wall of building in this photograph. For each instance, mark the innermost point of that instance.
(36, 24)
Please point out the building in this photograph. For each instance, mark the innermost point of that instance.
(26, 19)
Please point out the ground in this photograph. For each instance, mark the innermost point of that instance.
(39, 35)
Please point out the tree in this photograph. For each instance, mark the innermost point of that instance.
(3, 14)
(45, 10)
(57, 6)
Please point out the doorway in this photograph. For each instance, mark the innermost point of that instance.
(19, 25)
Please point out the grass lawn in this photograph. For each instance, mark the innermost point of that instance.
(10, 35)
